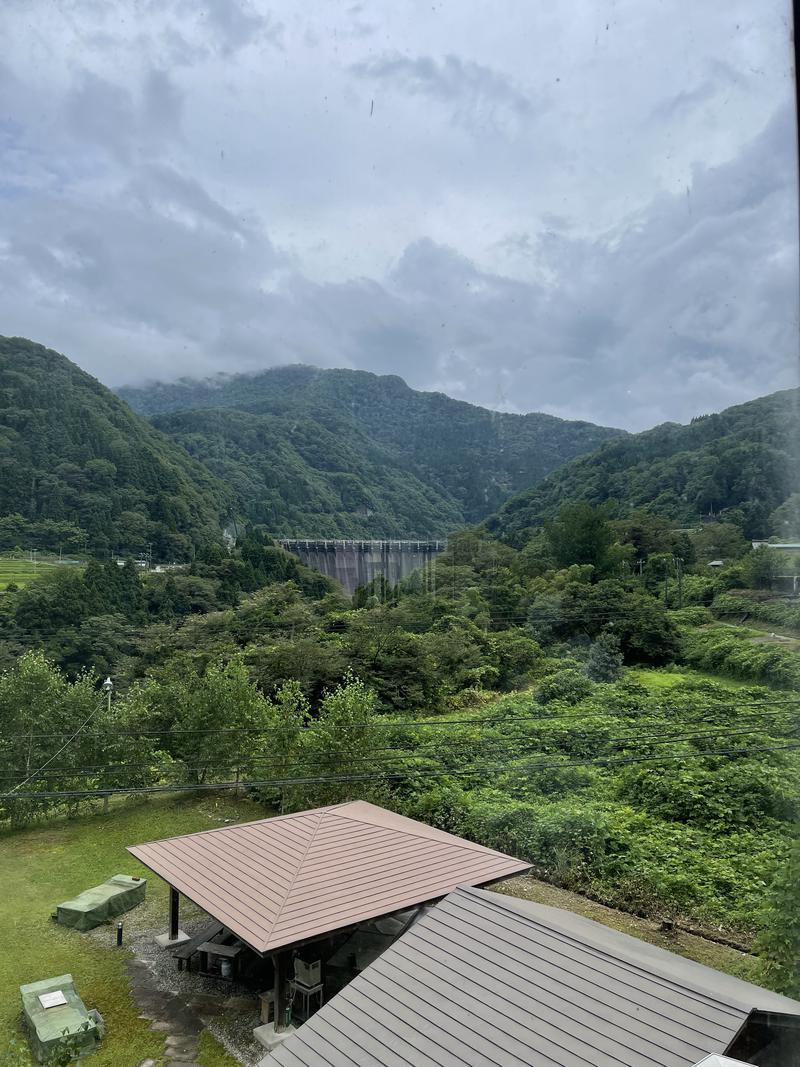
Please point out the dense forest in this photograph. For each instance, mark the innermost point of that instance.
(79, 471)
(302, 477)
(741, 464)
(346, 453)
(549, 700)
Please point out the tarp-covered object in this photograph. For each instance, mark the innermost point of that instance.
(66, 1023)
(95, 906)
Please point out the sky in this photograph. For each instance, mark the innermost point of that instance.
(582, 207)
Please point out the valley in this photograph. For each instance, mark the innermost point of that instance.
(566, 680)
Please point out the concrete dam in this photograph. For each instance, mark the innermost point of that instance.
(355, 563)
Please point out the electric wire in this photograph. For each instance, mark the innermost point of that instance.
(179, 787)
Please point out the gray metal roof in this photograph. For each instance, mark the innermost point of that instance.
(485, 979)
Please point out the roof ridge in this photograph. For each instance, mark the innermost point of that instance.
(453, 839)
(240, 825)
(297, 870)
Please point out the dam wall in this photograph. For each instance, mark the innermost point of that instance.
(355, 563)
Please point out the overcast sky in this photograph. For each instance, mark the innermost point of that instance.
(585, 207)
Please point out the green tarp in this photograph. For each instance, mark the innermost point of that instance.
(95, 906)
(66, 1024)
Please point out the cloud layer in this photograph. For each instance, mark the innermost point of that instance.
(589, 210)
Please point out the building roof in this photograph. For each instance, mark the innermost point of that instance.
(293, 877)
(485, 979)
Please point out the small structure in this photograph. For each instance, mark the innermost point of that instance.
(488, 979)
(56, 1018)
(295, 880)
(103, 902)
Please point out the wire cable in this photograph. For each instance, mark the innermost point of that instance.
(179, 787)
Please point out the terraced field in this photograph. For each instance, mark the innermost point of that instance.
(21, 571)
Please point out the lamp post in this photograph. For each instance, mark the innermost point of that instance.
(108, 686)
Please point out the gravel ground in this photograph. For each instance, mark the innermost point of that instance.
(231, 1018)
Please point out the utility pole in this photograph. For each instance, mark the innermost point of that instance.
(679, 569)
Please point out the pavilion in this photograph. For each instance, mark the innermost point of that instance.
(285, 882)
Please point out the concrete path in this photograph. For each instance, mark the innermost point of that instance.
(170, 1015)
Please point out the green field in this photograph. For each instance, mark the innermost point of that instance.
(40, 867)
(21, 571)
(652, 678)
(18, 571)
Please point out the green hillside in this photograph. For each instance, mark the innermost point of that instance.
(80, 471)
(337, 451)
(298, 476)
(741, 464)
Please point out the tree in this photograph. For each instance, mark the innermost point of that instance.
(761, 567)
(39, 709)
(785, 520)
(605, 660)
(213, 716)
(720, 540)
(581, 534)
(341, 743)
(516, 657)
(278, 751)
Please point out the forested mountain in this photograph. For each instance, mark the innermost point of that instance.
(740, 464)
(298, 476)
(79, 470)
(347, 453)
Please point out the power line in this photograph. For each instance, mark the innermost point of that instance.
(436, 723)
(182, 787)
(393, 754)
(513, 755)
(37, 774)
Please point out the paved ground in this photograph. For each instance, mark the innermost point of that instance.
(170, 1014)
(181, 1004)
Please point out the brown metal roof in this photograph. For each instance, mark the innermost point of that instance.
(293, 877)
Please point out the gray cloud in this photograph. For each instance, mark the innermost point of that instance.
(517, 213)
(477, 96)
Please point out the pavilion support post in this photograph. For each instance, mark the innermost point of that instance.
(281, 963)
(174, 913)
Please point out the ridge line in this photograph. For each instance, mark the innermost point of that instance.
(297, 870)
(448, 838)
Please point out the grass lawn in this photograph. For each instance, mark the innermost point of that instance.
(48, 864)
(42, 866)
(652, 678)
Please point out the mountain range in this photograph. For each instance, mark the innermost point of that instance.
(79, 470)
(341, 453)
(739, 465)
(316, 453)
